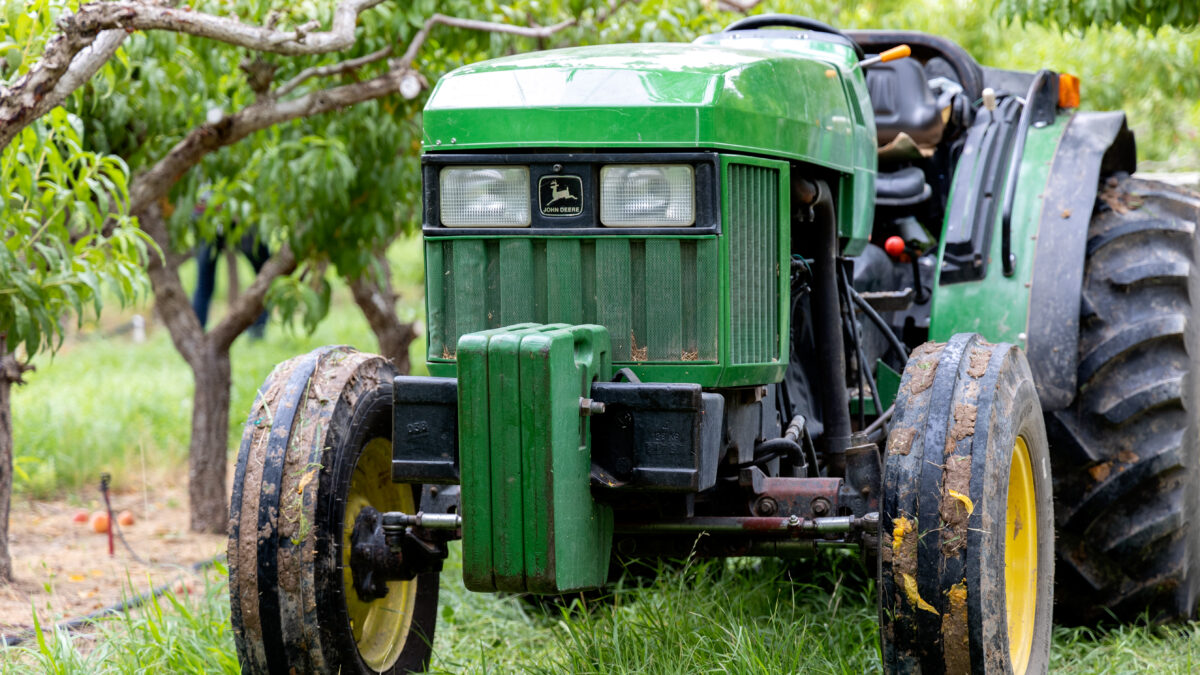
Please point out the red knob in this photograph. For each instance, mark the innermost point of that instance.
(894, 246)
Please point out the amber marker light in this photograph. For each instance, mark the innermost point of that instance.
(1068, 91)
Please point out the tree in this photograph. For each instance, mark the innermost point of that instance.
(237, 100)
(1152, 14)
(55, 199)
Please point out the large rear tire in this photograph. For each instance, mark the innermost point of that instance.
(967, 545)
(1126, 453)
(316, 451)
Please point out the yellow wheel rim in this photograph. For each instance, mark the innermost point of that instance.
(381, 626)
(1020, 557)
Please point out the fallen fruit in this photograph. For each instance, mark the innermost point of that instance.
(99, 521)
(125, 518)
(81, 516)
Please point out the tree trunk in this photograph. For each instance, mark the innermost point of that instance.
(208, 356)
(209, 444)
(10, 374)
(378, 303)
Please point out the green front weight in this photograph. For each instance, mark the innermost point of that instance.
(530, 523)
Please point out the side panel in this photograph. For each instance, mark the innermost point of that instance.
(998, 306)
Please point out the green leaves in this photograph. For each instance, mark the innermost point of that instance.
(1152, 14)
(57, 258)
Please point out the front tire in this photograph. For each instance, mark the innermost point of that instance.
(967, 528)
(315, 452)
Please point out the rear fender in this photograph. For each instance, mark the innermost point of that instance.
(1094, 144)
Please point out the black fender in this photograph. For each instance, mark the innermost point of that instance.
(1095, 144)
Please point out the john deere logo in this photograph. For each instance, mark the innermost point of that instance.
(561, 195)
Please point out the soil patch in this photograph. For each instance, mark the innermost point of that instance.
(63, 569)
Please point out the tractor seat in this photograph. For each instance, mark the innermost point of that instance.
(903, 187)
(903, 103)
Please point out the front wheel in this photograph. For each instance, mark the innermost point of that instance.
(315, 453)
(967, 552)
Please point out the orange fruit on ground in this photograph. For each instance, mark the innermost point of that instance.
(99, 521)
(81, 516)
(125, 518)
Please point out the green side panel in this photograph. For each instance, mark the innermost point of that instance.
(658, 296)
(529, 521)
(997, 306)
(757, 240)
(888, 383)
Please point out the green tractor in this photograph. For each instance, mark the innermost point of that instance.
(782, 288)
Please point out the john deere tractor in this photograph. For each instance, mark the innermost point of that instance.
(782, 288)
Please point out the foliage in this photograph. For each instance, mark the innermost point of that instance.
(1152, 14)
(56, 197)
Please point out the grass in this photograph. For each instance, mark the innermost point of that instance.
(739, 616)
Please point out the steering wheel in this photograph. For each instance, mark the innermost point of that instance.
(792, 21)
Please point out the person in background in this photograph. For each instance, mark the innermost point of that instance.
(206, 270)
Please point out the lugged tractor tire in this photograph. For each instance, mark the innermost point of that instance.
(315, 451)
(1126, 454)
(967, 526)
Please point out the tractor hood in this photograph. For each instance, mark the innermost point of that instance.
(779, 97)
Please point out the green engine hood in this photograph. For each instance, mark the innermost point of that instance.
(779, 97)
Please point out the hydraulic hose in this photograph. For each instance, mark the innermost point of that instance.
(816, 201)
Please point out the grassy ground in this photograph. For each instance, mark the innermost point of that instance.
(107, 404)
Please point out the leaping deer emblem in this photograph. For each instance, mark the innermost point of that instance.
(556, 194)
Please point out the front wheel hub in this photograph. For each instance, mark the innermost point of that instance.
(372, 562)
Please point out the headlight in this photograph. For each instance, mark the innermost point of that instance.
(485, 196)
(647, 195)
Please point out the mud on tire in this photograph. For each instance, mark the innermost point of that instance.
(316, 450)
(966, 522)
(1126, 453)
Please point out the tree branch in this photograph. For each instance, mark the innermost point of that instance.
(332, 69)
(147, 187)
(418, 40)
(102, 25)
(243, 311)
(143, 16)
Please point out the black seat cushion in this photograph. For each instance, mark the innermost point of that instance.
(903, 102)
(902, 187)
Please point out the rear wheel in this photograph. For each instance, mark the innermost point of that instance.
(967, 550)
(315, 454)
(1127, 452)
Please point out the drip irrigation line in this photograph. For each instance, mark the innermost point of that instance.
(116, 608)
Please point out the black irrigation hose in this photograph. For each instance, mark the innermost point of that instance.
(117, 608)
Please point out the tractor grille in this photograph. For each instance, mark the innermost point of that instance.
(753, 231)
(658, 297)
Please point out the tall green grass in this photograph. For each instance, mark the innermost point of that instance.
(739, 616)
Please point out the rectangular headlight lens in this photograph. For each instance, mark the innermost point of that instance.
(647, 195)
(485, 196)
